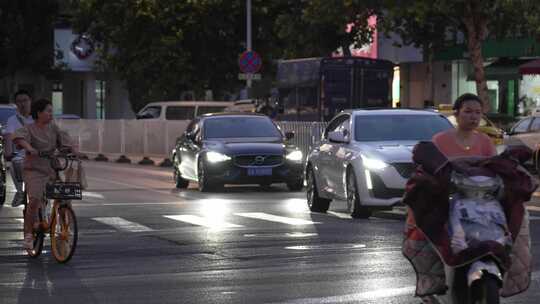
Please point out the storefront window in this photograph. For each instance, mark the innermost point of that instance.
(529, 94)
(57, 98)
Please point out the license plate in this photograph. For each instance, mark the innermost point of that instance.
(259, 171)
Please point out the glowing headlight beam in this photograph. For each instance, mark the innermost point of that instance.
(215, 157)
(373, 163)
(295, 155)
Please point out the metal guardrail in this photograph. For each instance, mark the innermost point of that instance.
(140, 138)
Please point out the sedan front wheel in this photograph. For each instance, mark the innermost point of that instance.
(204, 183)
(315, 202)
(354, 207)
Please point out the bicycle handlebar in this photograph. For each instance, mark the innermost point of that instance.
(53, 156)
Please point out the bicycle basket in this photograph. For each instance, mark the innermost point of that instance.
(64, 191)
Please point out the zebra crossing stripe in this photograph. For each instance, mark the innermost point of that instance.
(209, 222)
(122, 224)
(275, 218)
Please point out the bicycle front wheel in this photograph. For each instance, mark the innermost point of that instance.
(63, 234)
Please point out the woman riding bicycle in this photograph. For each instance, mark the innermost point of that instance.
(41, 136)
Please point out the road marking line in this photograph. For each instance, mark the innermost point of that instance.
(93, 194)
(533, 208)
(341, 215)
(209, 222)
(275, 218)
(122, 224)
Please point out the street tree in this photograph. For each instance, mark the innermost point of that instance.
(162, 48)
(421, 25)
(318, 28)
(26, 31)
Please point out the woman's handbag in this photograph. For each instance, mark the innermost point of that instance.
(76, 174)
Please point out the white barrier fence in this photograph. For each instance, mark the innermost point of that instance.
(140, 138)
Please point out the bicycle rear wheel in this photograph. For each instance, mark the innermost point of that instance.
(64, 234)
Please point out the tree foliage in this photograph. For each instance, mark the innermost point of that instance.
(165, 47)
(26, 31)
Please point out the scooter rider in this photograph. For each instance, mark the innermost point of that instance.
(19, 120)
(464, 141)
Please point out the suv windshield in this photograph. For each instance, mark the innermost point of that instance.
(235, 127)
(398, 127)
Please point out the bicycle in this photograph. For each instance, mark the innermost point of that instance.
(58, 219)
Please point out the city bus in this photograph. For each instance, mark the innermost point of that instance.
(315, 89)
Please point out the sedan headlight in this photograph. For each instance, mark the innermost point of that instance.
(216, 157)
(295, 156)
(373, 163)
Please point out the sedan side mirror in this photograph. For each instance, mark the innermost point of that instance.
(289, 135)
(190, 136)
(338, 136)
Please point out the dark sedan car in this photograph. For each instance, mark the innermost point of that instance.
(236, 148)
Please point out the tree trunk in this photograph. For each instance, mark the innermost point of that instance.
(476, 26)
(428, 83)
(346, 51)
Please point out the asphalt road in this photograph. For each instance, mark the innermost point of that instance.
(141, 241)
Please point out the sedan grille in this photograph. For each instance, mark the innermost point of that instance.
(258, 160)
(405, 169)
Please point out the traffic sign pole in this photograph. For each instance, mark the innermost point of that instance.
(248, 41)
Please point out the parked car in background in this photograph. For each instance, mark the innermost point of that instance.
(180, 110)
(486, 126)
(527, 132)
(236, 148)
(6, 111)
(67, 116)
(365, 158)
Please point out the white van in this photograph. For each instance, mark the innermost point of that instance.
(180, 110)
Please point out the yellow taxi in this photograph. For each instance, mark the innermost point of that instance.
(486, 126)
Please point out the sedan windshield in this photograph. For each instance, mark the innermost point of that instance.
(237, 127)
(399, 127)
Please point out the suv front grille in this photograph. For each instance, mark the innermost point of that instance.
(258, 160)
(404, 169)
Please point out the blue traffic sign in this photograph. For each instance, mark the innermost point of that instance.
(250, 62)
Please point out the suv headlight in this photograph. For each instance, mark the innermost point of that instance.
(373, 163)
(295, 156)
(216, 157)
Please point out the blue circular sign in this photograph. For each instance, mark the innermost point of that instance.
(250, 62)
